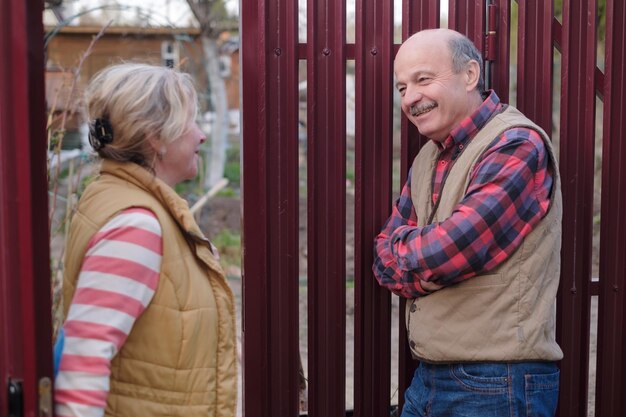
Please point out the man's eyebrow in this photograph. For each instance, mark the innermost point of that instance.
(421, 72)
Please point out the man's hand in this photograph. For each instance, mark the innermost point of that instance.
(430, 286)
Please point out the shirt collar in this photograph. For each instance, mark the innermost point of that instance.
(471, 124)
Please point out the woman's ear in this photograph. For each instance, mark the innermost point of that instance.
(472, 72)
(156, 145)
(158, 148)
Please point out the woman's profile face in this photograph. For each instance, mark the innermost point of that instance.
(179, 161)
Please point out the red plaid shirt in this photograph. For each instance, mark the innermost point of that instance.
(508, 193)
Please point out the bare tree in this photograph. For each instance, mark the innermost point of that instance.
(213, 20)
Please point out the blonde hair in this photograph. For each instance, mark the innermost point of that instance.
(140, 102)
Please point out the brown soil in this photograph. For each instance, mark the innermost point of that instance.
(220, 213)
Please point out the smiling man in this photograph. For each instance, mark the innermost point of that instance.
(473, 242)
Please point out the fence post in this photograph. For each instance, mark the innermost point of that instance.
(373, 142)
(25, 319)
(468, 17)
(534, 62)
(326, 191)
(610, 400)
(500, 68)
(269, 88)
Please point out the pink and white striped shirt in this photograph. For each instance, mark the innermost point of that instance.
(116, 283)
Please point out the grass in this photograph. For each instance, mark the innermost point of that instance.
(228, 244)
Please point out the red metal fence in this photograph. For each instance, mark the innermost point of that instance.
(270, 58)
(25, 324)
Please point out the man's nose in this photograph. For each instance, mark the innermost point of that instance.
(411, 96)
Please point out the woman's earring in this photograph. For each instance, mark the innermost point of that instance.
(161, 154)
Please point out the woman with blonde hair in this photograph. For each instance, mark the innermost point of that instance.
(149, 327)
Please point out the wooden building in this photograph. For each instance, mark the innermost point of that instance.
(67, 50)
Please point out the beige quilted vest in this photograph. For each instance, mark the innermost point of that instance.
(180, 357)
(508, 313)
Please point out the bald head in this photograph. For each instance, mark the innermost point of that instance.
(461, 49)
(433, 35)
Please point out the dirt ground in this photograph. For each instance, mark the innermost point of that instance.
(220, 213)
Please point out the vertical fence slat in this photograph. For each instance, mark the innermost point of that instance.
(34, 194)
(416, 16)
(610, 400)
(373, 143)
(326, 190)
(25, 322)
(534, 62)
(468, 17)
(270, 206)
(500, 69)
(577, 171)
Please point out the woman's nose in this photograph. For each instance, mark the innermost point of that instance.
(201, 134)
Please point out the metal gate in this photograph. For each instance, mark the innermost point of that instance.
(270, 57)
(25, 324)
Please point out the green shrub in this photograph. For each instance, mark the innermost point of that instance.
(228, 244)
(232, 169)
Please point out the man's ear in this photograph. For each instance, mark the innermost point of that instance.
(472, 72)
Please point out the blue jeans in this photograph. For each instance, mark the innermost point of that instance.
(527, 389)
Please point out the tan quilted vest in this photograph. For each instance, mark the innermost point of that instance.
(180, 357)
(508, 313)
